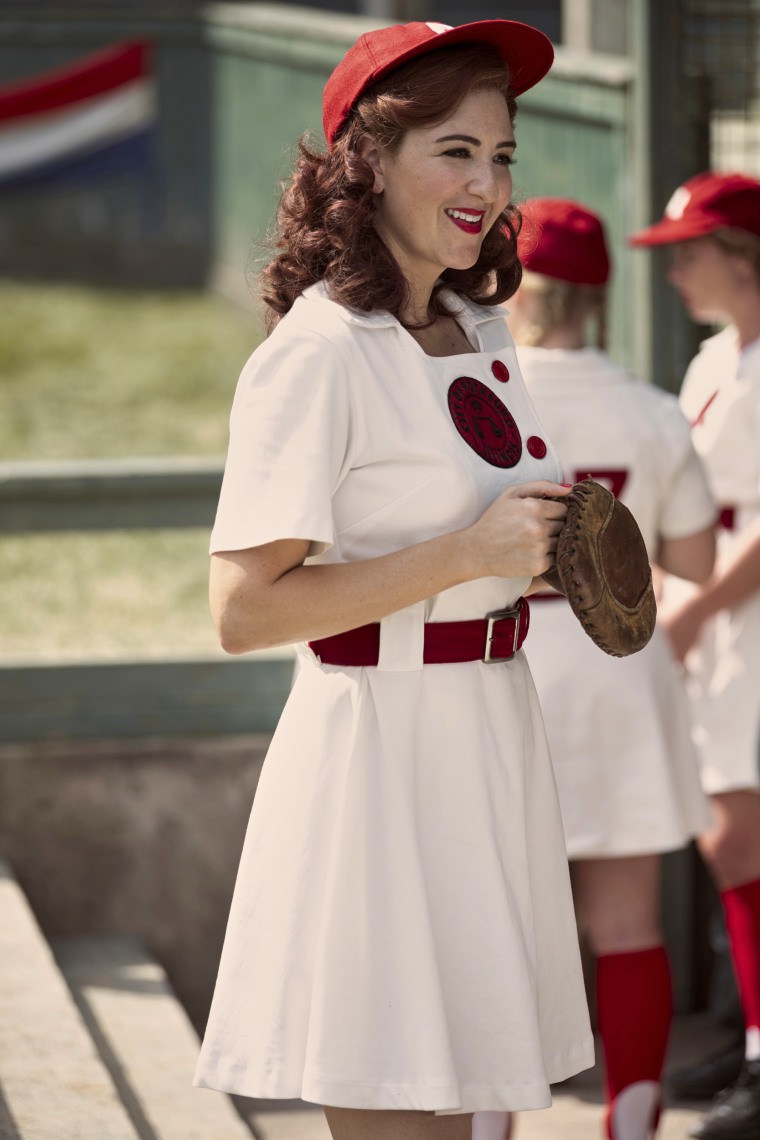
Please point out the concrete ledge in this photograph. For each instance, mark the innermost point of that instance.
(97, 700)
(145, 1040)
(108, 494)
(54, 1083)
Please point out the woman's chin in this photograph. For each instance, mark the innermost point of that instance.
(707, 316)
(466, 261)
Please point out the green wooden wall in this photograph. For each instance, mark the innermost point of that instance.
(270, 65)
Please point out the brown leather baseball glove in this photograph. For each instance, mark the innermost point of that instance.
(603, 569)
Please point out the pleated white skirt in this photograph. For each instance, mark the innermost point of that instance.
(402, 933)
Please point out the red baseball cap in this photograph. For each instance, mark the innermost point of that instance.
(527, 52)
(563, 239)
(704, 204)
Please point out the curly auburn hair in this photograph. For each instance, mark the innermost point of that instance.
(325, 220)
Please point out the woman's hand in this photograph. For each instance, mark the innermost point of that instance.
(732, 584)
(684, 626)
(516, 537)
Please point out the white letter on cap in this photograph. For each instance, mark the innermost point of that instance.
(678, 203)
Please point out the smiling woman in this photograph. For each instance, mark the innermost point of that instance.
(441, 177)
(401, 946)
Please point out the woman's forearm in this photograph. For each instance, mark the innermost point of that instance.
(308, 602)
(265, 596)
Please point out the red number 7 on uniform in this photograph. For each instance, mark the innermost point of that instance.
(613, 478)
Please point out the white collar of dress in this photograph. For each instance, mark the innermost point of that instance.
(467, 312)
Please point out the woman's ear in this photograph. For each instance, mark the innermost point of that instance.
(745, 271)
(373, 156)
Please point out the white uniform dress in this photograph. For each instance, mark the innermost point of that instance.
(618, 729)
(721, 399)
(401, 934)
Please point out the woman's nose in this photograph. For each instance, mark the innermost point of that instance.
(485, 182)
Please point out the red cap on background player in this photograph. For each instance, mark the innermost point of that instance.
(565, 240)
(704, 204)
(527, 52)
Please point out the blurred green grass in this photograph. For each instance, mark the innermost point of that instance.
(88, 373)
(94, 373)
(105, 596)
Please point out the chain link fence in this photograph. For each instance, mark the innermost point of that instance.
(722, 46)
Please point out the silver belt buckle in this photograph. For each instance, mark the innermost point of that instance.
(492, 618)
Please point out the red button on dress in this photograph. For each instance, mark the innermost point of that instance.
(500, 371)
(536, 446)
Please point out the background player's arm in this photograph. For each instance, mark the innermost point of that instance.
(691, 557)
(735, 580)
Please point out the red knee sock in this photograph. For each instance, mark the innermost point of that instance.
(741, 906)
(634, 1011)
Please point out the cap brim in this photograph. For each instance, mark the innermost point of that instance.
(527, 52)
(672, 230)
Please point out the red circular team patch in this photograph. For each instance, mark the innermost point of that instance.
(484, 423)
(536, 446)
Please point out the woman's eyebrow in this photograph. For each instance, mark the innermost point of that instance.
(473, 141)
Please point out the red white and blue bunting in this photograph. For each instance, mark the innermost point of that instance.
(83, 120)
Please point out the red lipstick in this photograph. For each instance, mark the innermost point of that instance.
(470, 221)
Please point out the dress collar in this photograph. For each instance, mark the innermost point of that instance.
(466, 312)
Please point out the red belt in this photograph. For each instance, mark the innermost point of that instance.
(496, 637)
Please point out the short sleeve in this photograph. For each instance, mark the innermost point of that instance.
(289, 445)
(688, 505)
(721, 397)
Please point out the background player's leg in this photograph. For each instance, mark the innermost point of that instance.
(618, 904)
(368, 1124)
(492, 1126)
(731, 849)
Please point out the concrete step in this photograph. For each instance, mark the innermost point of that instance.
(145, 1039)
(53, 1084)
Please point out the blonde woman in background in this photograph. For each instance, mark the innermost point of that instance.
(618, 729)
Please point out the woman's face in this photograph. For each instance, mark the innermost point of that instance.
(708, 278)
(445, 187)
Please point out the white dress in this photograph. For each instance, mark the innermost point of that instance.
(401, 934)
(721, 399)
(619, 730)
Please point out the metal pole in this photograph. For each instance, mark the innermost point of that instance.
(639, 187)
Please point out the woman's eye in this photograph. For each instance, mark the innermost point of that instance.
(463, 152)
